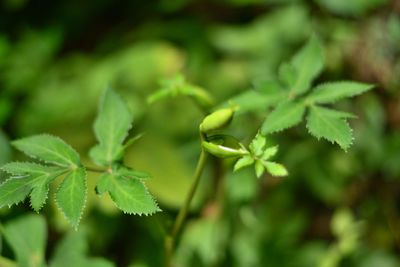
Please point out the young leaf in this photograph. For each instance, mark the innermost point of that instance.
(111, 128)
(257, 144)
(243, 162)
(27, 237)
(333, 91)
(307, 64)
(276, 169)
(329, 124)
(13, 191)
(129, 194)
(286, 115)
(259, 168)
(71, 195)
(269, 152)
(48, 148)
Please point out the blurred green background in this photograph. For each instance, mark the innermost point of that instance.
(335, 209)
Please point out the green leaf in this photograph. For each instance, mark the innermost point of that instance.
(71, 195)
(130, 173)
(243, 162)
(257, 144)
(13, 191)
(333, 91)
(27, 237)
(259, 168)
(73, 250)
(21, 169)
(267, 87)
(287, 74)
(48, 148)
(36, 177)
(129, 194)
(307, 64)
(132, 140)
(27, 176)
(177, 85)
(276, 169)
(269, 152)
(329, 124)
(103, 184)
(39, 194)
(251, 101)
(286, 115)
(111, 128)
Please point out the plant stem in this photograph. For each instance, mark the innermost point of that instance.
(94, 169)
(171, 239)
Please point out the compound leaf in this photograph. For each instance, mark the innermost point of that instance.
(329, 124)
(333, 91)
(111, 128)
(71, 195)
(307, 64)
(48, 148)
(287, 114)
(129, 194)
(257, 144)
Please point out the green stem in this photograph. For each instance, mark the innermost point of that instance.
(171, 239)
(94, 169)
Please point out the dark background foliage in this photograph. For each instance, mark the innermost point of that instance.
(56, 58)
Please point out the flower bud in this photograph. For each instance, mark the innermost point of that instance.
(217, 120)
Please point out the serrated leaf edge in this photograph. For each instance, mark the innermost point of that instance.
(44, 202)
(158, 209)
(47, 161)
(315, 89)
(84, 202)
(11, 178)
(330, 141)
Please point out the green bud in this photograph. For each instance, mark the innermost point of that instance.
(217, 120)
(223, 151)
